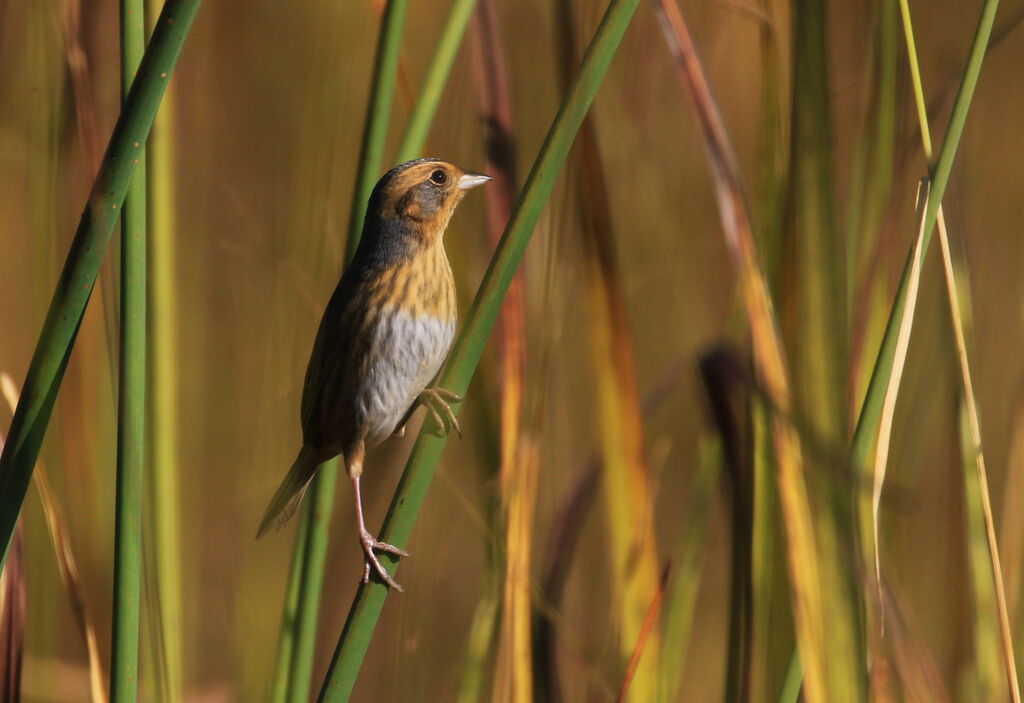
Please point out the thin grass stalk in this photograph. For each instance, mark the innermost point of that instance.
(83, 261)
(311, 584)
(468, 348)
(131, 407)
(164, 571)
(867, 422)
(434, 80)
(973, 423)
(289, 617)
(970, 403)
(974, 432)
(769, 359)
(648, 626)
(316, 521)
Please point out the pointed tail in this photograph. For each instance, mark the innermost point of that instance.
(289, 494)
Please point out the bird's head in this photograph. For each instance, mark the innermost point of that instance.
(416, 199)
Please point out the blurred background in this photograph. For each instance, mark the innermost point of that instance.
(262, 129)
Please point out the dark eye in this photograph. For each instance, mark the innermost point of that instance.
(439, 177)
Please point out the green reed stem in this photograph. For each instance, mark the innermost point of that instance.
(311, 584)
(131, 407)
(289, 618)
(867, 423)
(83, 261)
(434, 81)
(311, 562)
(465, 355)
(375, 127)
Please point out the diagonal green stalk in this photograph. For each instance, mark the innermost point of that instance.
(466, 352)
(867, 422)
(301, 630)
(131, 406)
(83, 261)
(972, 422)
(375, 127)
(434, 81)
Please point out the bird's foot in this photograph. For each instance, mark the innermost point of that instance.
(437, 400)
(370, 546)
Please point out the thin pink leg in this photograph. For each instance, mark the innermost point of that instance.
(370, 543)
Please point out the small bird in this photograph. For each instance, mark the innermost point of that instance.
(382, 339)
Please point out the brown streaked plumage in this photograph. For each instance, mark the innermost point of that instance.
(383, 337)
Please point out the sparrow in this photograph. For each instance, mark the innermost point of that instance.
(382, 339)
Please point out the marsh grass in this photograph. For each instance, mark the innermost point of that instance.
(806, 555)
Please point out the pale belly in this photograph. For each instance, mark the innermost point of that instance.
(412, 351)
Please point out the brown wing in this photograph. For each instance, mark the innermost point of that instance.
(329, 388)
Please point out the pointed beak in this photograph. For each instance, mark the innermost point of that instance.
(472, 180)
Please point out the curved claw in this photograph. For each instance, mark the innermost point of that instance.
(370, 544)
(438, 398)
(450, 396)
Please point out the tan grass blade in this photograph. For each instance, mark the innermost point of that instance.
(57, 527)
(893, 386)
(514, 677)
(957, 318)
(769, 359)
(974, 434)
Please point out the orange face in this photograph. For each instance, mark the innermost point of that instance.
(424, 194)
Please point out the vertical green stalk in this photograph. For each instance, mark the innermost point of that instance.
(821, 346)
(822, 311)
(468, 348)
(315, 554)
(53, 349)
(131, 407)
(289, 618)
(164, 488)
(434, 81)
(321, 494)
